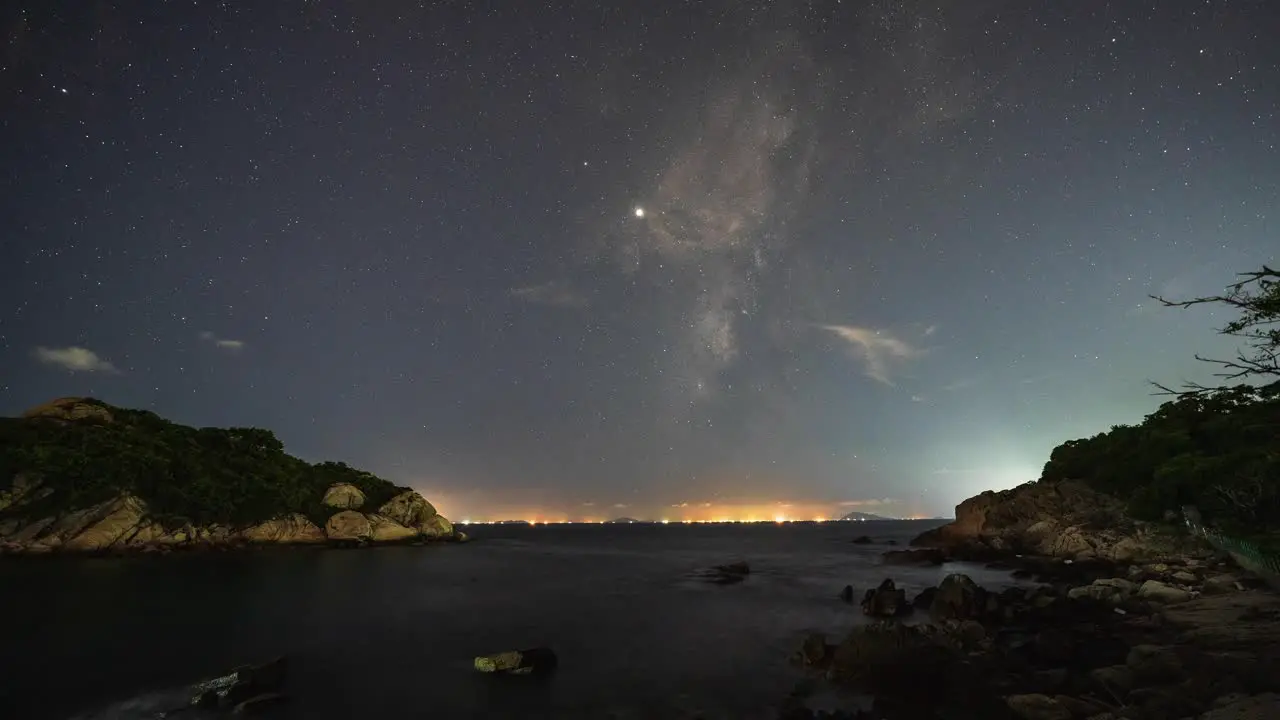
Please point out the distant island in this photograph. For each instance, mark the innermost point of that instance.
(861, 517)
(77, 474)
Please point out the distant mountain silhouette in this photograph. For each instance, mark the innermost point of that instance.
(861, 516)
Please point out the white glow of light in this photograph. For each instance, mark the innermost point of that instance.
(639, 212)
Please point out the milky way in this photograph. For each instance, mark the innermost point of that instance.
(584, 259)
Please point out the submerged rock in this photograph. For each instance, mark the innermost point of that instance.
(518, 662)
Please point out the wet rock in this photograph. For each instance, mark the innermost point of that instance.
(888, 657)
(958, 598)
(1156, 591)
(885, 601)
(518, 662)
(861, 540)
(925, 599)
(1037, 707)
(847, 594)
(814, 651)
(921, 557)
(1185, 578)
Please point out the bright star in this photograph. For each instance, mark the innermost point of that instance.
(639, 212)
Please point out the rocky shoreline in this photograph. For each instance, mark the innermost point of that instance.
(124, 525)
(1125, 621)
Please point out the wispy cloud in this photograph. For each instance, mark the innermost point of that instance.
(550, 293)
(872, 502)
(223, 343)
(881, 352)
(74, 359)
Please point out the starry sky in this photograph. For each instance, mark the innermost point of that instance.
(581, 259)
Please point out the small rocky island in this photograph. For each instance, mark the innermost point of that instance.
(79, 475)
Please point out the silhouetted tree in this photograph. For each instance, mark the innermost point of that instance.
(1257, 298)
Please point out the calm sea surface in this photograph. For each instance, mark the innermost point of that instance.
(391, 632)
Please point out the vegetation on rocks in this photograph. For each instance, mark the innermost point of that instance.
(84, 452)
(1216, 447)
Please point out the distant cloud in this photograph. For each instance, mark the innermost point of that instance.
(960, 384)
(588, 504)
(224, 343)
(620, 505)
(74, 359)
(880, 351)
(930, 330)
(550, 293)
(867, 503)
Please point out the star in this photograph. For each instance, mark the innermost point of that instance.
(639, 212)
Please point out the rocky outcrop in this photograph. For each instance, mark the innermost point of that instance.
(344, 496)
(387, 530)
(71, 409)
(109, 479)
(413, 511)
(125, 524)
(290, 529)
(886, 601)
(348, 526)
(1056, 519)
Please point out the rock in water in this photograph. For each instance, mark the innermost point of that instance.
(922, 556)
(886, 601)
(958, 598)
(847, 594)
(518, 662)
(861, 540)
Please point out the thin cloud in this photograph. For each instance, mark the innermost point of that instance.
(552, 293)
(74, 359)
(880, 352)
(872, 502)
(223, 343)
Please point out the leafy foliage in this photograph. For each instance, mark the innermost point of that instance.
(236, 476)
(1218, 450)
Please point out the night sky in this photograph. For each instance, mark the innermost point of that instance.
(658, 259)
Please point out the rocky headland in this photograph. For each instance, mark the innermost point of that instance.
(78, 475)
(1115, 619)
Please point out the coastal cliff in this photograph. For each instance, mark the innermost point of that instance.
(1063, 519)
(79, 475)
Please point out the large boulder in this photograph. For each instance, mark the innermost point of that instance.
(387, 530)
(888, 656)
(886, 601)
(958, 598)
(343, 495)
(348, 526)
(1156, 591)
(71, 409)
(412, 510)
(290, 529)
